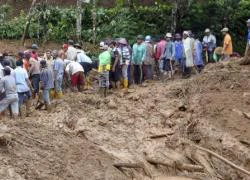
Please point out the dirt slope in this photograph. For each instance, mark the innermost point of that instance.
(154, 127)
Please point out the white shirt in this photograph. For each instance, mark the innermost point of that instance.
(71, 53)
(74, 67)
(209, 41)
(82, 57)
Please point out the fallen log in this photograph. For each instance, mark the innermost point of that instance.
(161, 135)
(178, 165)
(128, 165)
(133, 165)
(222, 159)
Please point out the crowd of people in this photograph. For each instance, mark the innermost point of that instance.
(119, 65)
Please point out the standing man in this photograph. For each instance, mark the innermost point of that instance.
(179, 53)
(209, 44)
(34, 70)
(138, 56)
(23, 88)
(246, 59)
(149, 59)
(124, 57)
(159, 50)
(47, 83)
(198, 61)
(8, 85)
(83, 59)
(58, 71)
(168, 56)
(188, 51)
(71, 51)
(227, 44)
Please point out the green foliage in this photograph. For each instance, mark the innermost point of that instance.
(59, 24)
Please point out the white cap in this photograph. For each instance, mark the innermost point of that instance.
(225, 29)
(186, 33)
(169, 35)
(148, 38)
(207, 30)
(103, 46)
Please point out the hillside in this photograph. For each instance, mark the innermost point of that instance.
(153, 132)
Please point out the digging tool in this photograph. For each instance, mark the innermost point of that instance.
(206, 56)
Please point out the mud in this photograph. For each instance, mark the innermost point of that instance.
(155, 127)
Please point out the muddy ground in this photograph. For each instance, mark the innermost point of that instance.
(153, 132)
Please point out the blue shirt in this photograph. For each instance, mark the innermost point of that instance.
(58, 67)
(198, 53)
(46, 78)
(169, 52)
(21, 77)
(179, 50)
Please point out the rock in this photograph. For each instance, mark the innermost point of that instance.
(112, 105)
(182, 107)
(246, 115)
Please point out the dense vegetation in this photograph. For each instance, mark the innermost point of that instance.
(59, 24)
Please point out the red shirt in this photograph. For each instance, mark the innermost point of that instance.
(160, 47)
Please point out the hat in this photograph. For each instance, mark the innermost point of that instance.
(207, 30)
(248, 21)
(21, 54)
(43, 63)
(34, 46)
(169, 35)
(78, 45)
(177, 36)
(186, 33)
(27, 54)
(122, 41)
(103, 46)
(225, 29)
(71, 42)
(148, 38)
(141, 37)
(6, 71)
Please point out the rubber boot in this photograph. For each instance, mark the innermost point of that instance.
(59, 95)
(121, 83)
(125, 84)
(52, 94)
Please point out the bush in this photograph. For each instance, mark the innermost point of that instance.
(59, 24)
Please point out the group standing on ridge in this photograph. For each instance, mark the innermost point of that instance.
(30, 81)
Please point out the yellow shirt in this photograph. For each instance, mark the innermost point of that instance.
(227, 45)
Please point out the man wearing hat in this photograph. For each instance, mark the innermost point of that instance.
(246, 59)
(83, 59)
(209, 44)
(168, 56)
(138, 56)
(124, 55)
(227, 44)
(34, 49)
(149, 59)
(188, 52)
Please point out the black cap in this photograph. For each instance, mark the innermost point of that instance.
(6, 71)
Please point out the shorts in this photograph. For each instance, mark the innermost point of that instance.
(23, 96)
(77, 79)
(104, 79)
